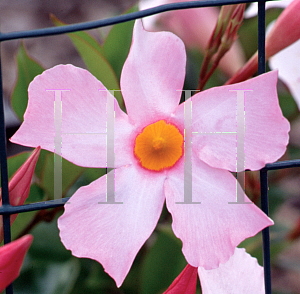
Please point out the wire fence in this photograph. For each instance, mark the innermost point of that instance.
(7, 210)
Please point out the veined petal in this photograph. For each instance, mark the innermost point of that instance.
(113, 234)
(82, 126)
(11, 259)
(153, 75)
(211, 230)
(258, 128)
(240, 274)
(194, 27)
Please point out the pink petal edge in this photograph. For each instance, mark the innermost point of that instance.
(113, 234)
(83, 117)
(210, 231)
(153, 75)
(214, 124)
(240, 274)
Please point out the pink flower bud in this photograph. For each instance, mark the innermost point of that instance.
(285, 32)
(19, 185)
(185, 283)
(11, 259)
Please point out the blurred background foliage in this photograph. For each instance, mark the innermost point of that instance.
(49, 268)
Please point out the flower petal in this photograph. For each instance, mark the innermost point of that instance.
(113, 234)
(211, 230)
(152, 75)
(240, 274)
(261, 126)
(288, 69)
(185, 283)
(11, 259)
(83, 117)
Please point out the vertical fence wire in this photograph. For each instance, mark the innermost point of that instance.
(4, 175)
(264, 172)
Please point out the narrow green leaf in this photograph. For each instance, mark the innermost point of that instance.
(117, 44)
(27, 70)
(92, 54)
(70, 173)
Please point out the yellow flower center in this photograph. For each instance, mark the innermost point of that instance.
(159, 146)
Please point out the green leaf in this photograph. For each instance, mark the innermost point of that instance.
(40, 165)
(92, 55)
(27, 70)
(117, 44)
(70, 173)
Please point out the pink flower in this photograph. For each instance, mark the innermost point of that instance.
(194, 27)
(151, 143)
(11, 259)
(19, 185)
(240, 274)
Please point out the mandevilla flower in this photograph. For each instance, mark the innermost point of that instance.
(240, 274)
(11, 260)
(152, 148)
(19, 185)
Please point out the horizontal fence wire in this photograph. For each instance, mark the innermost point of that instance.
(115, 20)
(6, 209)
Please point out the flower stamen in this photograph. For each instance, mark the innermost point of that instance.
(159, 146)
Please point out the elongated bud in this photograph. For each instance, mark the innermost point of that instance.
(285, 32)
(224, 21)
(230, 34)
(19, 185)
(222, 39)
(185, 283)
(11, 260)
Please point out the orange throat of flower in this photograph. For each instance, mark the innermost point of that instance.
(159, 146)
